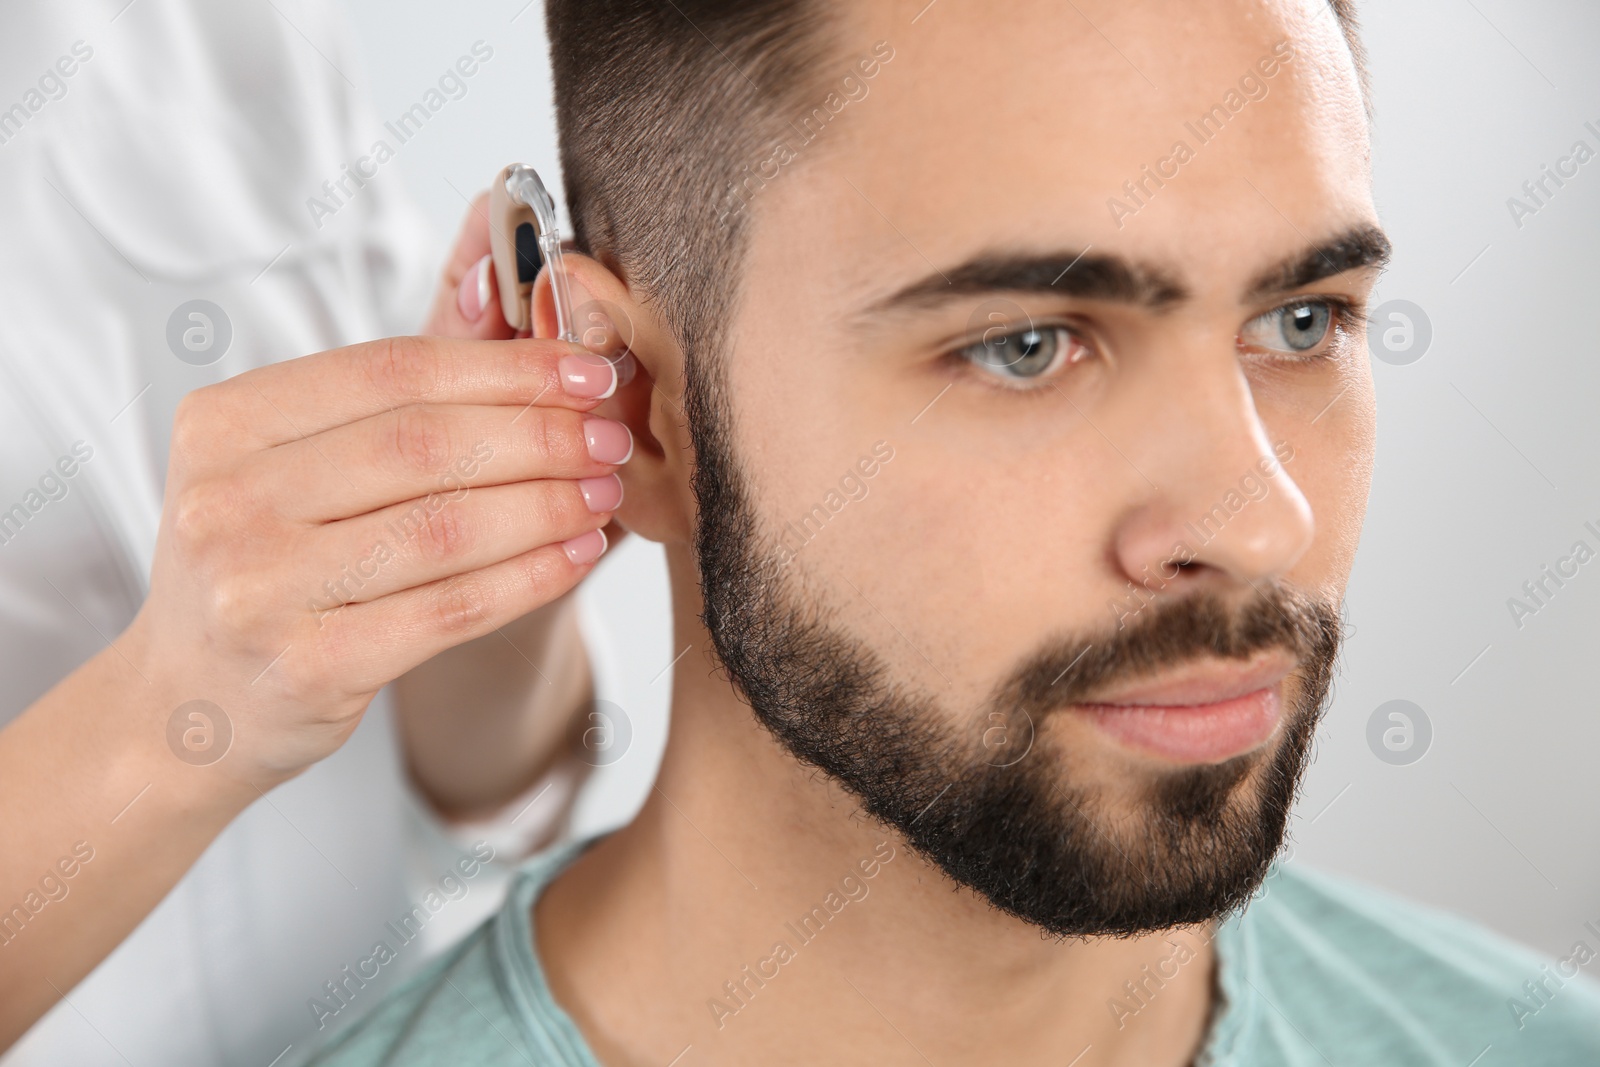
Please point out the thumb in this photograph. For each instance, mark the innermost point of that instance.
(466, 303)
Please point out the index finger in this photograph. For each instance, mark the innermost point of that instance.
(301, 397)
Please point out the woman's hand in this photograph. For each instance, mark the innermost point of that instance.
(484, 721)
(333, 521)
(330, 523)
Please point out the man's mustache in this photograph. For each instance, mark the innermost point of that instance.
(1072, 669)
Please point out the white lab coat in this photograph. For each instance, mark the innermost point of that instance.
(173, 163)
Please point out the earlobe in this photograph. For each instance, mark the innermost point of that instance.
(609, 321)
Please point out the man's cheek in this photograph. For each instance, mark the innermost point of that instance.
(960, 557)
(1331, 462)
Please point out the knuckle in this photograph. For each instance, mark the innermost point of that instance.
(560, 438)
(546, 570)
(323, 672)
(331, 674)
(460, 606)
(318, 683)
(302, 685)
(238, 602)
(191, 422)
(201, 513)
(421, 440)
(443, 533)
(403, 368)
(561, 508)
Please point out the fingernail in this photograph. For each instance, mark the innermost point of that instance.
(472, 295)
(588, 376)
(601, 494)
(586, 547)
(609, 441)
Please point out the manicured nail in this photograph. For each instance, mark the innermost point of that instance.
(586, 547)
(609, 441)
(601, 494)
(472, 295)
(588, 376)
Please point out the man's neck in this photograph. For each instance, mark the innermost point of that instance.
(752, 913)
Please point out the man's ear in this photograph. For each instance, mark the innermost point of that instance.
(609, 320)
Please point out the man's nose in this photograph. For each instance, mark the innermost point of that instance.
(1223, 505)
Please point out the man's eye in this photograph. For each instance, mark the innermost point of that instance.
(1293, 328)
(1025, 355)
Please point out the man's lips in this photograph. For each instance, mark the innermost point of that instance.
(1203, 712)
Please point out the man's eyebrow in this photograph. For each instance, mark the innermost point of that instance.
(1079, 273)
(1361, 246)
(1090, 276)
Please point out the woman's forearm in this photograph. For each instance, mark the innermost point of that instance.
(483, 721)
(99, 819)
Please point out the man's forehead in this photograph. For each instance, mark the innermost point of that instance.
(1159, 133)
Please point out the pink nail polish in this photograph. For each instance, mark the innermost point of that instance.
(472, 295)
(601, 494)
(609, 441)
(586, 547)
(589, 376)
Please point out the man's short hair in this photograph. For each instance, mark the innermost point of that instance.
(665, 109)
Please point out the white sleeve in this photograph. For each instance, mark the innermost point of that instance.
(525, 825)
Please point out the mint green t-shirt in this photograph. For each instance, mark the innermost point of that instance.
(1315, 972)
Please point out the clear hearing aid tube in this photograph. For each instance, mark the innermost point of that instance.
(523, 183)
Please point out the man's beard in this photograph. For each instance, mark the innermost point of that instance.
(1005, 820)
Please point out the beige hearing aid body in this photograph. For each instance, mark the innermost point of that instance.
(523, 237)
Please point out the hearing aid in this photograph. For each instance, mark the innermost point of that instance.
(523, 238)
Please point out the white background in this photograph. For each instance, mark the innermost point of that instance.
(1486, 458)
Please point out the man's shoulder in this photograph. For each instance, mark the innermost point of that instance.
(485, 1002)
(1364, 969)
(449, 1012)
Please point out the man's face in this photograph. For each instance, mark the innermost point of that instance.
(1048, 431)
